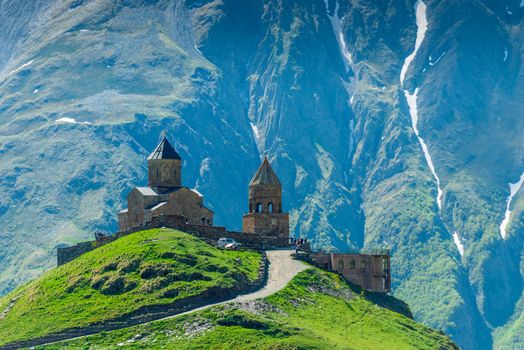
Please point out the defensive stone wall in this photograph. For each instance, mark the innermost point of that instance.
(65, 255)
(210, 234)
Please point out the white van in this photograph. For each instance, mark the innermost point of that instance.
(228, 243)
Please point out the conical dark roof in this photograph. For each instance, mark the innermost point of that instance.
(164, 150)
(265, 175)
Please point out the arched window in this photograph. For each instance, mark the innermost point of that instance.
(352, 264)
(203, 221)
(259, 208)
(363, 264)
(250, 208)
(270, 207)
(341, 264)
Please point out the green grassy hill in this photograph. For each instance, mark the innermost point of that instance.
(147, 268)
(317, 310)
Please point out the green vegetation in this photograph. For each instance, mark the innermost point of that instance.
(151, 267)
(511, 336)
(317, 310)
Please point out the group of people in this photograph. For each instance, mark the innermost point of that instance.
(297, 241)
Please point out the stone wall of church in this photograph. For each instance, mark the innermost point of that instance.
(188, 204)
(265, 196)
(369, 271)
(181, 202)
(164, 172)
(272, 224)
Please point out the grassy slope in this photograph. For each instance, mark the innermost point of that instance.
(145, 268)
(317, 310)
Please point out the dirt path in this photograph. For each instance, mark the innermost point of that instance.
(282, 269)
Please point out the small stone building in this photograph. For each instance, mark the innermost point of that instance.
(164, 194)
(369, 271)
(265, 205)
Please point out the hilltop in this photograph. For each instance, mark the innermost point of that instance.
(155, 269)
(125, 277)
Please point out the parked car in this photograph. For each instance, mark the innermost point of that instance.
(228, 243)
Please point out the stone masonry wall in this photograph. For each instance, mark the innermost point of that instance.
(209, 234)
(65, 255)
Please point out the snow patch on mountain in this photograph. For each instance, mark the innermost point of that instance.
(413, 111)
(256, 133)
(21, 67)
(458, 243)
(422, 26)
(432, 63)
(70, 121)
(513, 189)
(339, 34)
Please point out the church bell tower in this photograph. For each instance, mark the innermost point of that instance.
(265, 204)
(164, 166)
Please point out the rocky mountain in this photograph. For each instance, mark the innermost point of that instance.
(391, 123)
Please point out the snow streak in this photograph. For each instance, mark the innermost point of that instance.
(255, 131)
(432, 63)
(347, 58)
(339, 34)
(21, 67)
(70, 121)
(422, 26)
(413, 111)
(460, 246)
(513, 189)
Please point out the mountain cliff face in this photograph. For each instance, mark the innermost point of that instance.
(394, 123)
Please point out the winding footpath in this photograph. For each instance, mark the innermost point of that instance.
(282, 269)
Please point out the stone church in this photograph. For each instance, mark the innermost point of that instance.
(164, 194)
(265, 204)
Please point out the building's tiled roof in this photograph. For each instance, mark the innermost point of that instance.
(147, 191)
(164, 150)
(265, 175)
